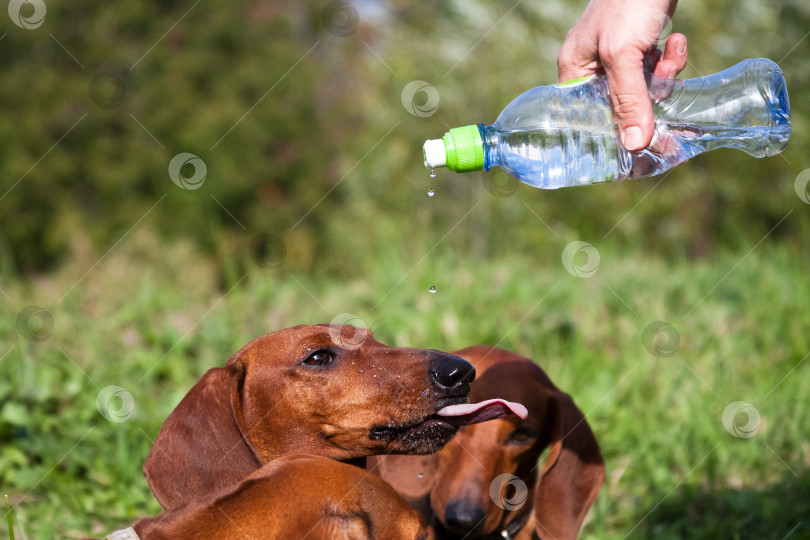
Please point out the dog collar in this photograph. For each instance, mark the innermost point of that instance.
(123, 534)
(511, 530)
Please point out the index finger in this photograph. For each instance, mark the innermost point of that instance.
(630, 99)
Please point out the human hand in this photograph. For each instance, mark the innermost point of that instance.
(616, 36)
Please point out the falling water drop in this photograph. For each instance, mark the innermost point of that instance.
(432, 173)
(431, 192)
(419, 475)
(432, 289)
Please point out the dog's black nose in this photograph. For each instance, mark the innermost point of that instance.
(451, 372)
(463, 517)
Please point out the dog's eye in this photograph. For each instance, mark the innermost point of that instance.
(320, 358)
(521, 436)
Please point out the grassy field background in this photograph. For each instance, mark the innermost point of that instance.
(151, 325)
(120, 285)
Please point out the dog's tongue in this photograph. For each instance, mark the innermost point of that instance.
(473, 413)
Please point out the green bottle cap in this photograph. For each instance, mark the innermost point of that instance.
(464, 148)
(461, 150)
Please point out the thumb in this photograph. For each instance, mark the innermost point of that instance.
(631, 103)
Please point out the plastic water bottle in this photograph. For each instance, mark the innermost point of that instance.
(566, 134)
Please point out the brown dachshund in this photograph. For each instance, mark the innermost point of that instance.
(292, 497)
(324, 390)
(485, 483)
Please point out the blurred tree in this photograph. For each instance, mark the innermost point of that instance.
(297, 111)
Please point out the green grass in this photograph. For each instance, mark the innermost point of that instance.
(153, 317)
(9, 518)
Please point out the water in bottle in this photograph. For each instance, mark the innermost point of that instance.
(566, 134)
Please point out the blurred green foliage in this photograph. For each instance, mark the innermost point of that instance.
(296, 109)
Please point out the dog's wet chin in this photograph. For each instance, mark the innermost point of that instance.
(428, 437)
(424, 438)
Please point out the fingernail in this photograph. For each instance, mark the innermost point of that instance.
(683, 47)
(632, 138)
(672, 72)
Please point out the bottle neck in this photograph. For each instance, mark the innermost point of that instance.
(491, 139)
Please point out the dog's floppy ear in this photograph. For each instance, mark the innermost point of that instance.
(201, 448)
(573, 473)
